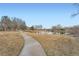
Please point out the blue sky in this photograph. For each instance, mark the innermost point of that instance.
(42, 14)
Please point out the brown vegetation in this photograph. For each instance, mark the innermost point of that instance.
(11, 43)
(57, 44)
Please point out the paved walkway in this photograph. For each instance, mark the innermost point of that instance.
(31, 47)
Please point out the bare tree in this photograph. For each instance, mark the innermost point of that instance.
(5, 21)
(18, 24)
(32, 28)
(12, 24)
(77, 10)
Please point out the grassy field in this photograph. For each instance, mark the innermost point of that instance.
(57, 45)
(11, 43)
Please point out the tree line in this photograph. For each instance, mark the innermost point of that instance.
(14, 23)
(74, 30)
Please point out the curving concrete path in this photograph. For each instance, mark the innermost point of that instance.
(31, 47)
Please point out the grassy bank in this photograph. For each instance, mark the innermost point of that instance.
(11, 43)
(57, 45)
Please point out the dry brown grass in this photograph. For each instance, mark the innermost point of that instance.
(58, 45)
(11, 43)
